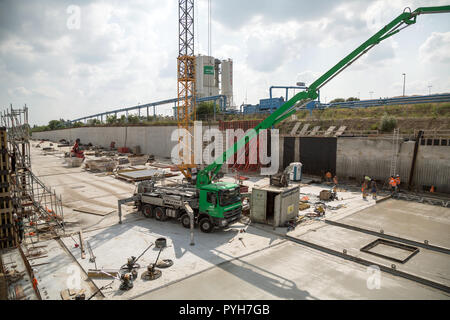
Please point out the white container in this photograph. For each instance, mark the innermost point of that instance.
(274, 206)
(295, 173)
(74, 162)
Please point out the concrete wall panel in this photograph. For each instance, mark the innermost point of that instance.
(357, 157)
(152, 140)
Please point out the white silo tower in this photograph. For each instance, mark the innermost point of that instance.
(227, 81)
(206, 82)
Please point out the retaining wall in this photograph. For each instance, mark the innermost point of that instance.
(360, 156)
(152, 140)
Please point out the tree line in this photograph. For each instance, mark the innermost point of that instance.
(203, 110)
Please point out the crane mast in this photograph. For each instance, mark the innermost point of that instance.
(185, 110)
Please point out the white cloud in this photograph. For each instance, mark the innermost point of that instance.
(19, 91)
(436, 48)
(307, 77)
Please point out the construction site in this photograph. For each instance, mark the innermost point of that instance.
(292, 198)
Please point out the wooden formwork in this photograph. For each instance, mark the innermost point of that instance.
(8, 236)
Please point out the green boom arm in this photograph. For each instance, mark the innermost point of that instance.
(404, 20)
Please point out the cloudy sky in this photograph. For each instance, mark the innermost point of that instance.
(123, 53)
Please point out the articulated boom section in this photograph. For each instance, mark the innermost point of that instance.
(407, 18)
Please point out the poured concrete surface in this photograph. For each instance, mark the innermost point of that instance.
(406, 219)
(58, 271)
(290, 271)
(426, 264)
(391, 251)
(12, 260)
(112, 246)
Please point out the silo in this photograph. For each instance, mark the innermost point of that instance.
(206, 84)
(227, 81)
(199, 76)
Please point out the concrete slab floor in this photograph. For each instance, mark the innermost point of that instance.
(426, 264)
(12, 260)
(291, 271)
(112, 246)
(406, 219)
(391, 251)
(57, 271)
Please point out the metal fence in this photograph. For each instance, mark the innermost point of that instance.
(386, 101)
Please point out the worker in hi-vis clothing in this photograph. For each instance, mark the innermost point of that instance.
(76, 152)
(397, 182)
(328, 176)
(364, 188)
(393, 184)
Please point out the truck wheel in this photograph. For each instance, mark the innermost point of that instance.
(160, 214)
(206, 225)
(186, 221)
(147, 211)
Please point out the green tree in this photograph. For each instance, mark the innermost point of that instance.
(111, 119)
(94, 122)
(78, 124)
(40, 128)
(123, 119)
(57, 124)
(352, 99)
(388, 123)
(133, 118)
(337, 100)
(206, 109)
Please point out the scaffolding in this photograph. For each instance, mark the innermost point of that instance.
(8, 236)
(38, 205)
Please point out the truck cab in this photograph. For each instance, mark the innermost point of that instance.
(220, 205)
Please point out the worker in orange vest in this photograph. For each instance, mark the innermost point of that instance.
(393, 184)
(76, 152)
(364, 188)
(335, 182)
(328, 176)
(397, 182)
(432, 189)
(35, 283)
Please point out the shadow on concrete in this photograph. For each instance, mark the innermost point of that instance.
(206, 248)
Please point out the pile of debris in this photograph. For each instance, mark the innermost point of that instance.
(137, 159)
(101, 165)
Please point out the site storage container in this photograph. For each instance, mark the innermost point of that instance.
(274, 206)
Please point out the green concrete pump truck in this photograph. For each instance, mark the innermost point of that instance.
(214, 205)
(218, 204)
